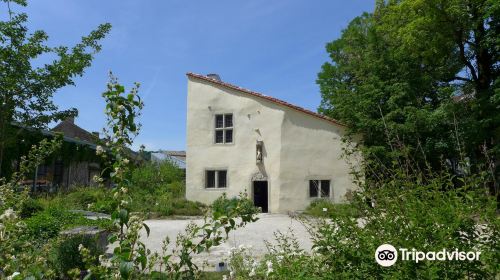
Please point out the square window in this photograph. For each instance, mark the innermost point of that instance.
(215, 179)
(313, 188)
(219, 136)
(319, 188)
(210, 179)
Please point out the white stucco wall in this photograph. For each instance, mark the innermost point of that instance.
(297, 147)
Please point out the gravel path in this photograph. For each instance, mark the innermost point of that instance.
(253, 234)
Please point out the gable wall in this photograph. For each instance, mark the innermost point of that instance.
(253, 119)
(311, 149)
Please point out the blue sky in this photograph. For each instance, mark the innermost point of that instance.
(274, 47)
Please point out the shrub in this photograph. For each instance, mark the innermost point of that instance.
(185, 207)
(326, 208)
(410, 212)
(66, 256)
(29, 207)
(43, 226)
(224, 206)
(163, 177)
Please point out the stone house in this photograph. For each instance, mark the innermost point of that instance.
(281, 155)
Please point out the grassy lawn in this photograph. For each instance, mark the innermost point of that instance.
(325, 208)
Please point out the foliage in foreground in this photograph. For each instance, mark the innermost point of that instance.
(422, 211)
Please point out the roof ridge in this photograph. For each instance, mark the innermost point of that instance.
(263, 96)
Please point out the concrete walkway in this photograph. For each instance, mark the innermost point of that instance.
(253, 234)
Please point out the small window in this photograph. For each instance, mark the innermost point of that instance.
(319, 188)
(216, 179)
(223, 128)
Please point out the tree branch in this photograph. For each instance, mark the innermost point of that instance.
(465, 61)
(457, 78)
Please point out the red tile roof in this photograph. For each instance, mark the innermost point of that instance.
(268, 98)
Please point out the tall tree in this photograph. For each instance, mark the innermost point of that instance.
(26, 90)
(398, 72)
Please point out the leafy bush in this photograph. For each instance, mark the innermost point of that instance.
(66, 256)
(43, 226)
(29, 207)
(185, 207)
(224, 206)
(153, 177)
(411, 212)
(48, 223)
(326, 208)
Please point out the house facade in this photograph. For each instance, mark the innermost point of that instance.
(282, 156)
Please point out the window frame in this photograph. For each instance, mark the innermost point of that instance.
(224, 129)
(319, 192)
(216, 178)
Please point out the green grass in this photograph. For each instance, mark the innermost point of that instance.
(156, 191)
(212, 275)
(317, 208)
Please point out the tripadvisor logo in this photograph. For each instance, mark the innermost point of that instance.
(387, 255)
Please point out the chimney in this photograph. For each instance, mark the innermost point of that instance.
(214, 76)
(70, 120)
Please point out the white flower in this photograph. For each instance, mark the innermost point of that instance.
(123, 190)
(89, 205)
(8, 214)
(252, 272)
(80, 247)
(13, 275)
(231, 274)
(269, 267)
(269, 264)
(241, 247)
(121, 108)
(124, 203)
(99, 150)
(224, 277)
(269, 271)
(279, 258)
(126, 161)
(325, 209)
(97, 179)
